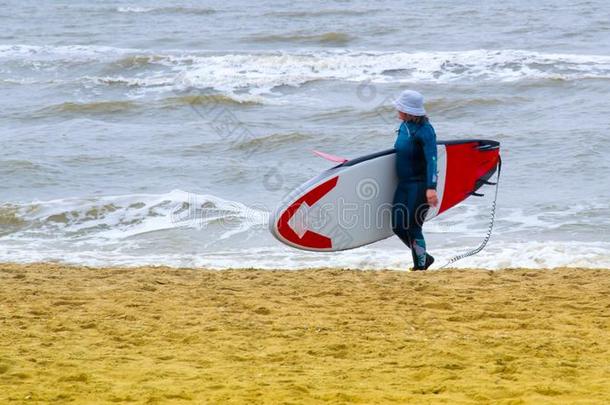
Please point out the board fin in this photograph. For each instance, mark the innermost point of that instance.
(332, 158)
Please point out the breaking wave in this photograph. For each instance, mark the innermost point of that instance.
(261, 73)
(119, 217)
(183, 229)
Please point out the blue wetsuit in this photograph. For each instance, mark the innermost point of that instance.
(416, 168)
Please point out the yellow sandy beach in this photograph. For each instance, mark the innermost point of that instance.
(159, 335)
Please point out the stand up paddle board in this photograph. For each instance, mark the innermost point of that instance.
(350, 205)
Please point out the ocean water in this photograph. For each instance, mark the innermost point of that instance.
(166, 132)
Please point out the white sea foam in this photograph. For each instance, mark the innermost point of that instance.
(535, 255)
(64, 53)
(260, 73)
(375, 257)
(165, 10)
(143, 229)
(134, 9)
(113, 218)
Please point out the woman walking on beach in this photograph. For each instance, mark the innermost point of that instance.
(416, 168)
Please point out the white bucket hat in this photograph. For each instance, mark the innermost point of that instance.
(410, 102)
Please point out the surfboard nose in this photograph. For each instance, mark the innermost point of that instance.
(295, 232)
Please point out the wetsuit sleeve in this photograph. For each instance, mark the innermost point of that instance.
(428, 141)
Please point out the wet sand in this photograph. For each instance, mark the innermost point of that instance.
(159, 335)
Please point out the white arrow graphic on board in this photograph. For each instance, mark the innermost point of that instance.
(299, 221)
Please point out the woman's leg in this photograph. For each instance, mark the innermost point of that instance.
(418, 215)
(400, 214)
(408, 214)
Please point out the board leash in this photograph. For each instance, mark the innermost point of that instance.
(489, 229)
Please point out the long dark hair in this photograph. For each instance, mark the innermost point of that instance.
(419, 120)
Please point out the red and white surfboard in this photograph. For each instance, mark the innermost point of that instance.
(350, 204)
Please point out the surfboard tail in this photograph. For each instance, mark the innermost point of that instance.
(469, 165)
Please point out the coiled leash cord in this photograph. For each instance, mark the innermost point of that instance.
(489, 229)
